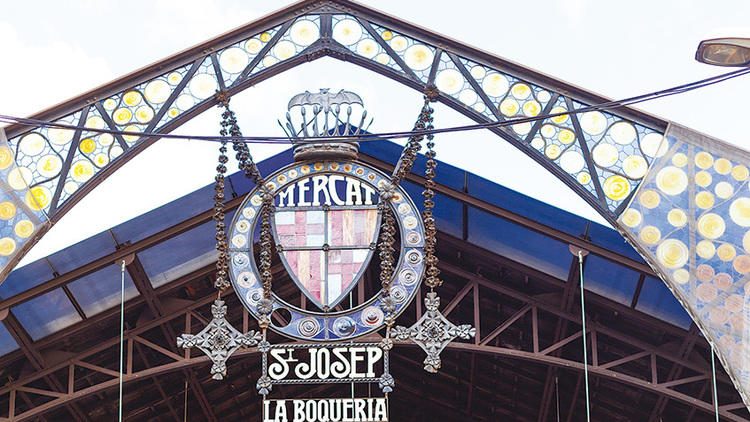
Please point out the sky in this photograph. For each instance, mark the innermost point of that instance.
(54, 50)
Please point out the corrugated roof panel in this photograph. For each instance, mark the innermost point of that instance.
(656, 300)
(610, 280)
(519, 244)
(46, 314)
(7, 342)
(100, 291)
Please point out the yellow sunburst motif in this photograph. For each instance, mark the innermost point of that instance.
(347, 31)
(532, 108)
(399, 43)
(509, 107)
(203, 86)
(6, 157)
(726, 252)
(495, 84)
(478, 72)
(704, 160)
(284, 50)
(681, 276)
(703, 179)
(677, 217)
(739, 211)
(605, 154)
(671, 180)
(418, 57)
(82, 171)
(722, 166)
(7, 246)
(19, 178)
(650, 235)
(87, 146)
(132, 129)
(723, 190)
(304, 32)
(233, 60)
(122, 116)
(672, 253)
(562, 118)
(49, 165)
(635, 166)
(631, 218)
(649, 199)
(32, 144)
(367, 48)
(552, 151)
(704, 200)
(449, 81)
(740, 172)
(265, 37)
(583, 178)
(566, 136)
(383, 58)
(520, 91)
(106, 139)
(711, 226)
(157, 91)
(616, 187)
(622, 132)
(60, 136)
(253, 46)
(132, 98)
(522, 128)
(679, 159)
(7, 210)
(24, 228)
(109, 104)
(38, 198)
(705, 249)
(387, 35)
(144, 114)
(593, 122)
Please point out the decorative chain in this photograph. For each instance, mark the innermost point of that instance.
(222, 267)
(413, 144)
(432, 280)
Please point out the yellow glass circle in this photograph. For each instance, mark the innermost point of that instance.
(741, 264)
(70, 187)
(7, 246)
(122, 116)
(572, 162)
(81, 171)
(144, 114)
(723, 166)
(739, 211)
(711, 226)
(520, 91)
(671, 180)
(495, 84)
(59, 136)
(746, 241)
(704, 200)
(387, 35)
(6, 157)
(95, 122)
(705, 249)
(562, 118)
(203, 86)
(478, 72)
(522, 128)
(509, 107)
(593, 122)
(399, 43)
(184, 102)
(723, 190)
(347, 31)
(681, 276)
(115, 151)
(566, 136)
(284, 50)
(233, 60)
(654, 145)
(7, 210)
(649, 199)
(418, 57)
(383, 58)
(132, 98)
(157, 91)
(265, 37)
(605, 154)
(704, 160)
(106, 139)
(87, 146)
(49, 165)
(24, 228)
(173, 112)
(174, 78)
(703, 179)
(548, 131)
(19, 178)
(38, 198)
(616, 187)
(679, 159)
(650, 235)
(253, 46)
(449, 81)
(537, 142)
(726, 252)
(132, 129)
(552, 151)
(677, 217)
(532, 108)
(631, 218)
(635, 166)
(622, 133)
(304, 32)
(740, 172)
(109, 104)
(672, 253)
(583, 178)
(468, 97)
(32, 144)
(368, 48)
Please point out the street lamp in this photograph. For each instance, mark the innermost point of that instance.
(733, 52)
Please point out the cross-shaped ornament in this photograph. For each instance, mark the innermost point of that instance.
(219, 340)
(433, 332)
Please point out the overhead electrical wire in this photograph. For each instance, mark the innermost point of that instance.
(393, 135)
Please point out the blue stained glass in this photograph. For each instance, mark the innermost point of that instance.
(46, 314)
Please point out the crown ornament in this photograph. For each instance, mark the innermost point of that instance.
(325, 114)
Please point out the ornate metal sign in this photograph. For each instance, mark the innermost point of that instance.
(325, 215)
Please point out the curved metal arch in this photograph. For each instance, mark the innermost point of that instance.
(449, 56)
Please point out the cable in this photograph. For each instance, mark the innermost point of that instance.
(122, 330)
(402, 134)
(583, 328)
(716, 394)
